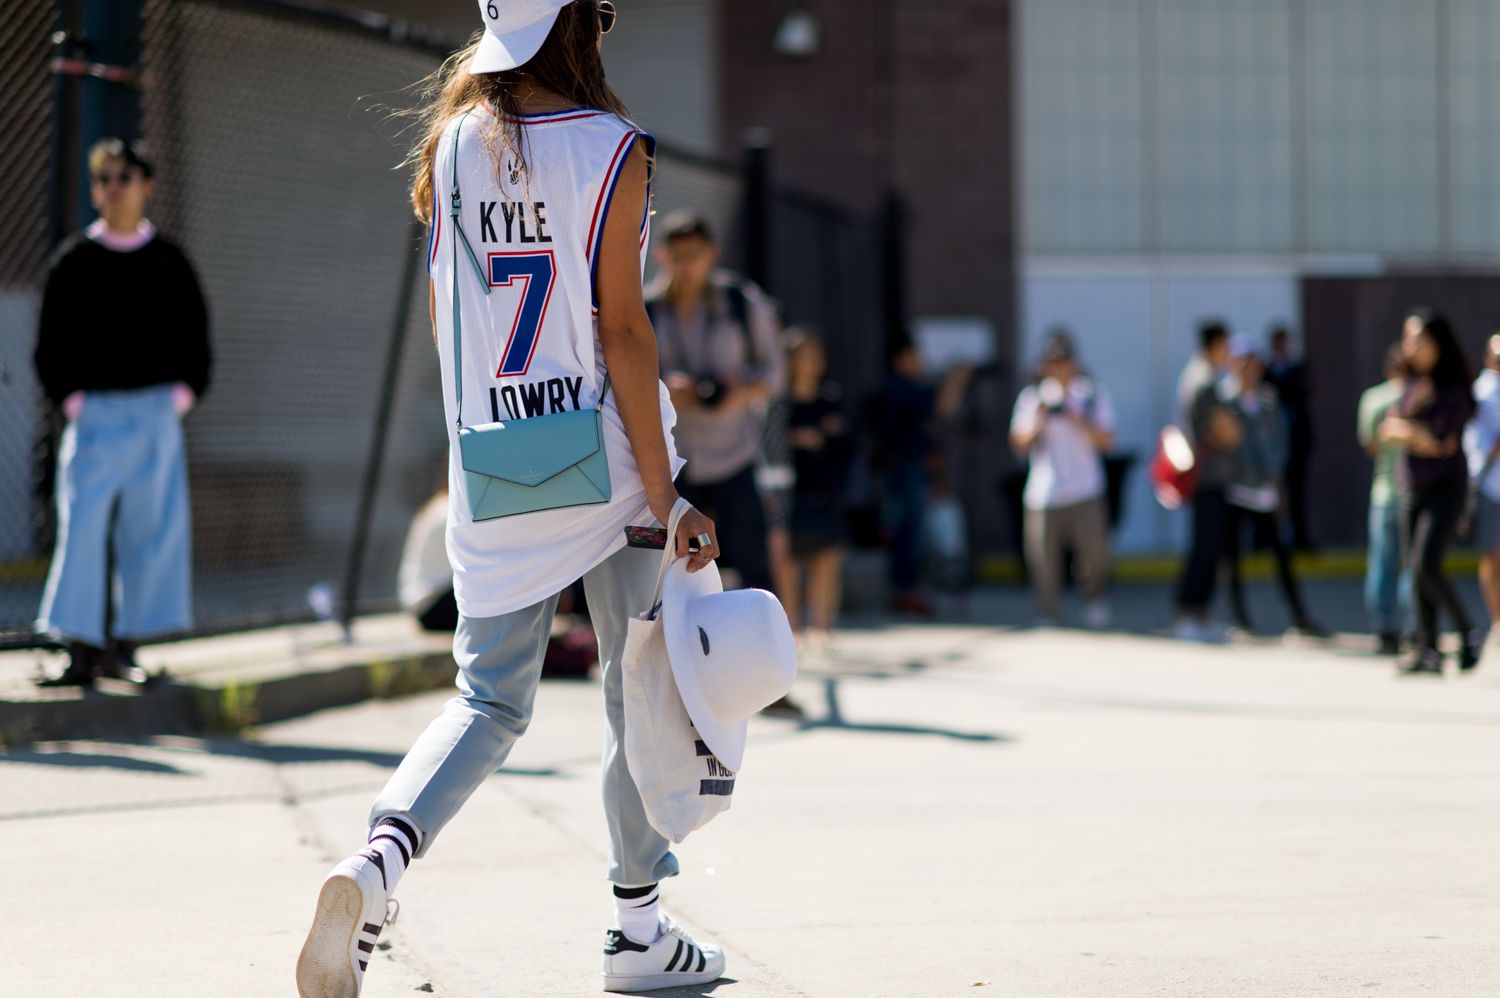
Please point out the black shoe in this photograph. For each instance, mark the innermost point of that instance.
(83, 665)
(1425, 662)
(119, 663)
(1307, 629)
(1472, 650)
(1390, 644)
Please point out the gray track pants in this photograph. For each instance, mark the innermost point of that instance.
(499, 664)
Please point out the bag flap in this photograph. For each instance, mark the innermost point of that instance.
(530, 451)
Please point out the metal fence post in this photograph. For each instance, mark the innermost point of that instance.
(893, 268)
(376, 455)
(107, 51)
(757, 235)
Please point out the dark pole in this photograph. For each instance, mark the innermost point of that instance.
(376, 455)
(62, 173)
(109, 43)
(893, 268)
(757, 170)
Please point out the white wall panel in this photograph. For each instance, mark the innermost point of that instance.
(1136, 325)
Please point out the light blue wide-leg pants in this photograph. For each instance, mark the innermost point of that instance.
(499, 665)
(125, 447)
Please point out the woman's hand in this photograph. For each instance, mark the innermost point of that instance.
(1395, 431)
(692, 526)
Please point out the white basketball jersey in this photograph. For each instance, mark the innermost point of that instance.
(530, 347)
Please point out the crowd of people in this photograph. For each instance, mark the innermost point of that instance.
(1432, 431)
(748, 392)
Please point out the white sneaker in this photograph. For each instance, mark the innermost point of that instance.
(673, 960)
(352, 909)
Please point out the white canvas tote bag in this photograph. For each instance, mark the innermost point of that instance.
(682, 784)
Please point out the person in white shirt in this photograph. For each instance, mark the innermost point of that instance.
(1063, 424)
(1482, 448)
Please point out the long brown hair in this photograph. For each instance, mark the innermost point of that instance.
(567, 64)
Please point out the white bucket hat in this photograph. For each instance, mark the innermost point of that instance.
(731, 654)
(513, 31)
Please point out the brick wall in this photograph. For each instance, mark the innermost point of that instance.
(905, 96)
(913, 98)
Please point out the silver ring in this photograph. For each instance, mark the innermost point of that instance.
(704, 540)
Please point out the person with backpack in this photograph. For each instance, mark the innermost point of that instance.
(722, 361)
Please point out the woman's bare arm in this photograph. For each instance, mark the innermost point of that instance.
(630, 352)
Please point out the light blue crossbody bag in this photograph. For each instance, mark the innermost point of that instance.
(523, 465)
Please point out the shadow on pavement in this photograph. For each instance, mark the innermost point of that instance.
(835, 719)
(690, 991)
(87, 760)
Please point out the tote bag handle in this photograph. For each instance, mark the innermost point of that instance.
(669, 553)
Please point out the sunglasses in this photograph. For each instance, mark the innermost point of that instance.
(607, 16)
(122, 177)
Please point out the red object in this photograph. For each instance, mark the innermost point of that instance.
(1174, 469)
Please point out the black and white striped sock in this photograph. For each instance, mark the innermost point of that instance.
(393, 843)
(638, 913)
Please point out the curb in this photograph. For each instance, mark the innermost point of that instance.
(214, 705)
(1325, 566)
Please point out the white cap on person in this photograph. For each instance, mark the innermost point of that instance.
(513, 32)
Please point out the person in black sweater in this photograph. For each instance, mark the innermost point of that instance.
(123, 352)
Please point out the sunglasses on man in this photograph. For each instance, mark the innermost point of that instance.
(121, 177)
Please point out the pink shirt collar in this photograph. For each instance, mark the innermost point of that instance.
(101, 234)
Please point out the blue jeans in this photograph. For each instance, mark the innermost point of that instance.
(906, 505)
(1387, 583)
(125, 452)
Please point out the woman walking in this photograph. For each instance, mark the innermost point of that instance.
(123, 352)
(528, 163)
(819, 439)
(1433, 477)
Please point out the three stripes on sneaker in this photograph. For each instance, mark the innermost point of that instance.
(392, 844)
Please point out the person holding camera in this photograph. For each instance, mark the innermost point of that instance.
(722, 361)
(1063, 424)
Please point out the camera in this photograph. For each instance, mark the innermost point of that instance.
(711, 392)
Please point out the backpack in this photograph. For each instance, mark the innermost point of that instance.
(739, 310)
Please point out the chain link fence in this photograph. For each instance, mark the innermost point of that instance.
(278, 171)
(26, 123)
(322, 432)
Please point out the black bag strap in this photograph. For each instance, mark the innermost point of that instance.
(455, 204)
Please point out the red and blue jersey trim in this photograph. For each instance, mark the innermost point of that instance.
(553, 117)
(601, 206)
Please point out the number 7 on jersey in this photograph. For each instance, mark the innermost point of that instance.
(534, 270)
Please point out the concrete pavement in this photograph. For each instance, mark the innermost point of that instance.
(971, 811)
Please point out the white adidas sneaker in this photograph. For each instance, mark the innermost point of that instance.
(352, 909)
(673, 960)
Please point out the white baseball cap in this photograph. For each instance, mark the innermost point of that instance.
(513, 32)
(731, 654)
